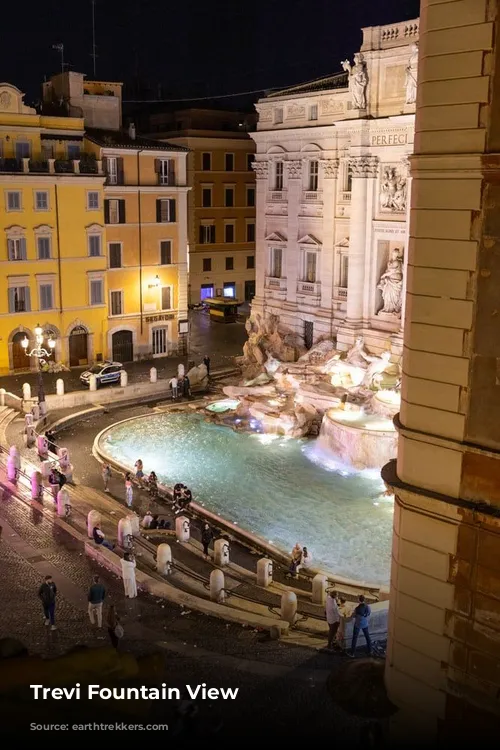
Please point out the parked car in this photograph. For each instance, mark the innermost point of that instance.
(105, 372)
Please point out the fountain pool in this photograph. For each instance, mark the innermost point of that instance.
(279, 488)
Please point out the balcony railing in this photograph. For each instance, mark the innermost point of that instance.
(313, 196)
(275, 283)
(277, 196)
(341, 292)
(51, 166)
(345, 196)
(312, 288)
(11, 165)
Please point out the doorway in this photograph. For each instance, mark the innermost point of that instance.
(123, 346)
(249, 290)
(308, 334)
(159, 342)
(78, 347)
(19, 359)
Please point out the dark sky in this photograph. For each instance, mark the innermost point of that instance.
(191, 48)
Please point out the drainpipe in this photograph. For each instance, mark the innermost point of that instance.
(140, 237)
(58, 250)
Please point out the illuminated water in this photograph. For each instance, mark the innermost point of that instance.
(275, 487)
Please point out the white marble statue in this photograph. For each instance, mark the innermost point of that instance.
(357, 355)
(358, 80)
(393, 190)
(376, 367)
(391, 284)
(411, 75)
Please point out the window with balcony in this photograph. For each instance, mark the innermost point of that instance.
(96, 291)
(115, 254)
(46, 294)
(13, 200)
(278, 175)
(229, 197)
(229, 233)
(92, 200)
(23, 150)
(206, 197)
(229, 162)
(166, 252)
(116, 302)
(251, 232)
(41, 200)
(94, 242)
(16, 248)
(250, 197)
(276, 269)
(207, 264)
(165, 169)
(207, 234)
(206, 161)
(19, 299)
(313, 175)
(229, 264)
(43, 248)
(165, 210)
(310, 267)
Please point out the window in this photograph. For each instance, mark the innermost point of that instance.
(229, 162)
(250, 161)
(92, 200)
(96, 292)
(166, 252)
(73, 151)
(166, 298)
(16, 248)
(229, 264)
(229, 233)
(278, 116)
(206, 291)
(114, 170)
(344, 268)
(206, 197)
(165, 168)
(206, 162)
(278, 175)
(207, 264)
(251, 232)
(41, 200)
(207, 234)
(313, 112)
(19, 299)
(116, 305)
(229, 197)
(94, 245)
(115, 254)
(43, 248)
(159, 341)
(46, 292)
(23, 150)
(13, 200)
(276, 262)
(251, 197)
(47, 150)
(313, 175)
(310, 269)
(165, 210)
(250, 261)
(114, 211)
(229, 289)
(348, 179)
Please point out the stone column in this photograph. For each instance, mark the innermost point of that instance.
(261, 169)
(442, 667)
(362, 168)
(291, 257)
(330, 168)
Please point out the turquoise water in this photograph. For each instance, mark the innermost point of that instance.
(282, 489)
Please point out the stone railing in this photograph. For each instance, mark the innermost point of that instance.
(274, 283)
(340, 292)
(345, 196)
(313, 196)
(397, 32)
(309, 287)
(277, 196)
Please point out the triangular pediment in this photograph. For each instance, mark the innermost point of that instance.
(343, 243)
(310, 239)
(276, 237)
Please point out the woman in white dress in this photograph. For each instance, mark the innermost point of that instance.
(128, 575)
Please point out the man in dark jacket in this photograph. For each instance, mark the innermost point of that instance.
(361, 616)
(97, 594)
(206, 362)
(47, 593)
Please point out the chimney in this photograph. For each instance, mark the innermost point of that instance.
(131, 131)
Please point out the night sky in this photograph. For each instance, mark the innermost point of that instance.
(189, 48)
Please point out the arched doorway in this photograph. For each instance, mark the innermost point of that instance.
(123, 346)
(78, 346)
(19, 359)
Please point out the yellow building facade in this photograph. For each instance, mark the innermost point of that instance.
(52, 237)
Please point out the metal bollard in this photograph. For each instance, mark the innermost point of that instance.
(164, 559)
(221, 552)
(123, 379)
(133, 519)
(153, 375)
(36, 486)
(182, 529)
(125, 536)
(217, 593)
(93, 520)
(288, 607)
(62, 501)
(319, 589)
(60, 387)
(264, 572)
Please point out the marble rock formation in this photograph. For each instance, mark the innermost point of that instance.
(198, 376)
(266, 340)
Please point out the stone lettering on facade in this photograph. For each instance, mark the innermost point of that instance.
(389, 139)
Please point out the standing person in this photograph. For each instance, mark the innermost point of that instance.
(173, 386)
(129, 490)
(332, 619)
(206, 538)
(97, 594)
(139, 469)
(153, 484)
(186, 387)
(115, 628)
(128, 575)
(206, 362)
(106, 476)
(361, 616)
(47, 593)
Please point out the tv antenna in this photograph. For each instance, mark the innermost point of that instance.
(94, 47)
(60, 48)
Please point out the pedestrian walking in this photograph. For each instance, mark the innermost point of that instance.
(206, 538)
(47, 593)
(174, 384)
(361, 617)
(129, 489)
(186, 387)
(97, 594)
(206, 362)
(106, 476)
(332, 619)
(115, 628)
(128, 575)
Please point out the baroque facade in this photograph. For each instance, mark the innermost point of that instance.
(333, 192)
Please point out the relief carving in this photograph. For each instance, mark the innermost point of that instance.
(294, 169)
(393, 191)
(261, 169)
(295, 111)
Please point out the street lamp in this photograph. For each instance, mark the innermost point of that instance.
(41, 353)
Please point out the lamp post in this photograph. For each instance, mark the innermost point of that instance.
(41, 353)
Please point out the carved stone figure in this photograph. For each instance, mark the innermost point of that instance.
(357, 355)
(358, 80)
(391, 284)
(375, 368)
(393, 190)
(411, 76)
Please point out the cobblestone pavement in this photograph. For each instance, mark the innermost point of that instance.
(221, 342)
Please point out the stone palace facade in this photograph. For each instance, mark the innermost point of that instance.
(333, 192)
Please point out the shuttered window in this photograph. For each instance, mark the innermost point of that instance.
(165, 210)
(96, 292)
(16, 248)
(94, 245)
(43, 248)
(166, 298)
(115, 255)
(166, 252)
(19, 299)
(46, 297)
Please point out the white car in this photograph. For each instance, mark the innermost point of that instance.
(105, 373)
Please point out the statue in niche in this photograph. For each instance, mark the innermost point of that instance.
(391, 284)
(393, 190)
(358, 80)
(411, 76)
